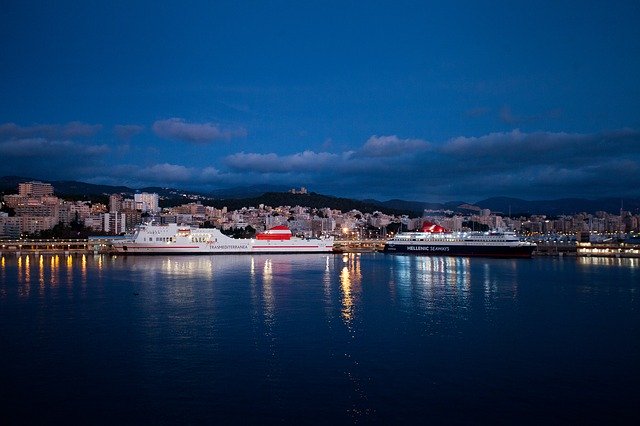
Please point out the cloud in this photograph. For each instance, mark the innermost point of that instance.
(78, 129)
(392, 146)
(306, 161)
(165, 172)
(516, 163)
(127, 131)
(178, 129)
(48, 149)
(72, 130)
(539, 164)
(542, 148)
(50, 159)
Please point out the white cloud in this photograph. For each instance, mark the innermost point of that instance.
(179, 129)
(392, 146)
(306, 161)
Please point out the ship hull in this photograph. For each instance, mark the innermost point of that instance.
(133, 248)
(461, 250)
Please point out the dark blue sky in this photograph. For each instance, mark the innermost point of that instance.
(455, 101)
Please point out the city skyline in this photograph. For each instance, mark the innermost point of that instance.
(409, 100)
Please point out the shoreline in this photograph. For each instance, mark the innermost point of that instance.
(96, 247)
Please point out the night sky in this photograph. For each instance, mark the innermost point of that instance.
(429, 101)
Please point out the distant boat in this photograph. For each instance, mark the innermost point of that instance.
(178, 239)
(434, 240)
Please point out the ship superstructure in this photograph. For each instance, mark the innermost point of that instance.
(180, 239)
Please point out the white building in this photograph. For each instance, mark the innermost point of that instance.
(146, 202)
(114, 223)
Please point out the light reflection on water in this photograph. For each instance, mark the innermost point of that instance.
(350, 286)
(424, 280)
(364, 334)
(628, 262)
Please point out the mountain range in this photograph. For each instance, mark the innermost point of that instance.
(269, 194)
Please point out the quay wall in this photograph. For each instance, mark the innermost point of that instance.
(100, 245)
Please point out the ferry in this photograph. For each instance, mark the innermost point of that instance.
(435, 240)
(179, 239)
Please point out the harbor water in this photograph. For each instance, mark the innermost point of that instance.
(321, 339)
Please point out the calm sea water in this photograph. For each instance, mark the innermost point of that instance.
(327, 339)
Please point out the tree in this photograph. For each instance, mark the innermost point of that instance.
(8, 210)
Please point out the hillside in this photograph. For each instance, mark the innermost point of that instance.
(568, 206)
(239, 197)
(312, 200)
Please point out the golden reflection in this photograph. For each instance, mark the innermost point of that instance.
(24, 277)
(3, 291)
(83, 269)
(347, 301)
(54, 271)
(350, 283)
(41, 273)
(69, 270)
(19, 269)
(27, 269)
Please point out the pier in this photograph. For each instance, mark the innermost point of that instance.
(365, 245)
(98, 245)
(53, 246)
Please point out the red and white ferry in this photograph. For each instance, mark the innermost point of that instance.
(434, 240)
(180, 239)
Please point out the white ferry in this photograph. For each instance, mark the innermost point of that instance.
(434, 240)
(178, 239)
